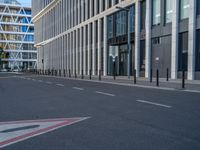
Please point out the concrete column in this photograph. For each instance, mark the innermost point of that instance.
(91, 7)
(99, 44)
(80, 50)
(191, 42)
(74, 51)
(84, 49)
(82, 10)
(95, 7)
(174, 57)
(79, 4)
(105, 46)
(113, 2)
(77, 48)
(148, 39)
(94, 49)
(86, 9)
(137, 38)
(100, 6)
(89, 48)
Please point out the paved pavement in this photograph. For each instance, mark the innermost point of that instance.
(122, 117)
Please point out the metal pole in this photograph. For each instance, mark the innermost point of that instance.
(183, 79)
(167, 74)
(157, 77)
(135, 76)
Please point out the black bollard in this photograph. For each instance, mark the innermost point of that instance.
(114, 71)
(69, 73)
(82, 74)
(151, 75)
(99, 75)
(167, 74)
(183, 79)
(90, 74)
(157, 77)
(135, 76)
(64, 73)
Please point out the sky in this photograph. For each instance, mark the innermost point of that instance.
(26, 2)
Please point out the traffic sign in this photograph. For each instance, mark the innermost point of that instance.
(16, 131)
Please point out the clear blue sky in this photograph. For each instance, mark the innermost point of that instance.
(26, 2)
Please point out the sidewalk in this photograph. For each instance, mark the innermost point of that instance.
(193, 86)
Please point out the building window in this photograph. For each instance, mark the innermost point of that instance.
(132, 19)
(143, 15)
(156, 12)
(110, 27)
(121, 23)
(142, 55)
(184, 9)
(168, 11)
(198, 7)
(198, 50)
(183, 51)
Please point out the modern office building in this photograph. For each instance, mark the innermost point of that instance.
(84, 35)
(16, 36)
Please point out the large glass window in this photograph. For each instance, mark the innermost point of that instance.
(183, 51)
(198, 51)
(184, 9)
(198, 7)
(132, 18)
(156, 12)
(168, 10)
(143, 15)
(110, 27)
(121, 23)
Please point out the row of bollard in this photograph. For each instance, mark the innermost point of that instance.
(53, 72)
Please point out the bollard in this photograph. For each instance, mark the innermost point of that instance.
(82, 74)
(114, 72)
(75, 75)
(69, 73)
(183, 79)
(99, 75)
(90, 74)
(167, 74)
(134, 76)
(151, 75)
(64, 73)
(157, 77)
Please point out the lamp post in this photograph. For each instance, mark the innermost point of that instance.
(129, 40)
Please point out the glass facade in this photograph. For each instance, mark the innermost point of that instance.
(198, 7)
(168, 11)
(198, 50)
(143, 15)
(183, 51)
(132, 18)
(156, 12)
(17, 37)
(121, 23)
(110, 27)
(184, 9)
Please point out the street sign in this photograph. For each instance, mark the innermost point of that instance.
(16, 131)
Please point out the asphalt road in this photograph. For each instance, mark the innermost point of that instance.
(122, 118)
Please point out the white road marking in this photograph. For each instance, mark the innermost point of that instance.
(40, 81)
(48, 82)
(77, 88)
(60, 85)
(103, 93)
(192, 91)
(33, 80)
(153, 103)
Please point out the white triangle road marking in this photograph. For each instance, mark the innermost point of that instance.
(16, 131)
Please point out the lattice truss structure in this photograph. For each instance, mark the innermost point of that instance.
(17, 36)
